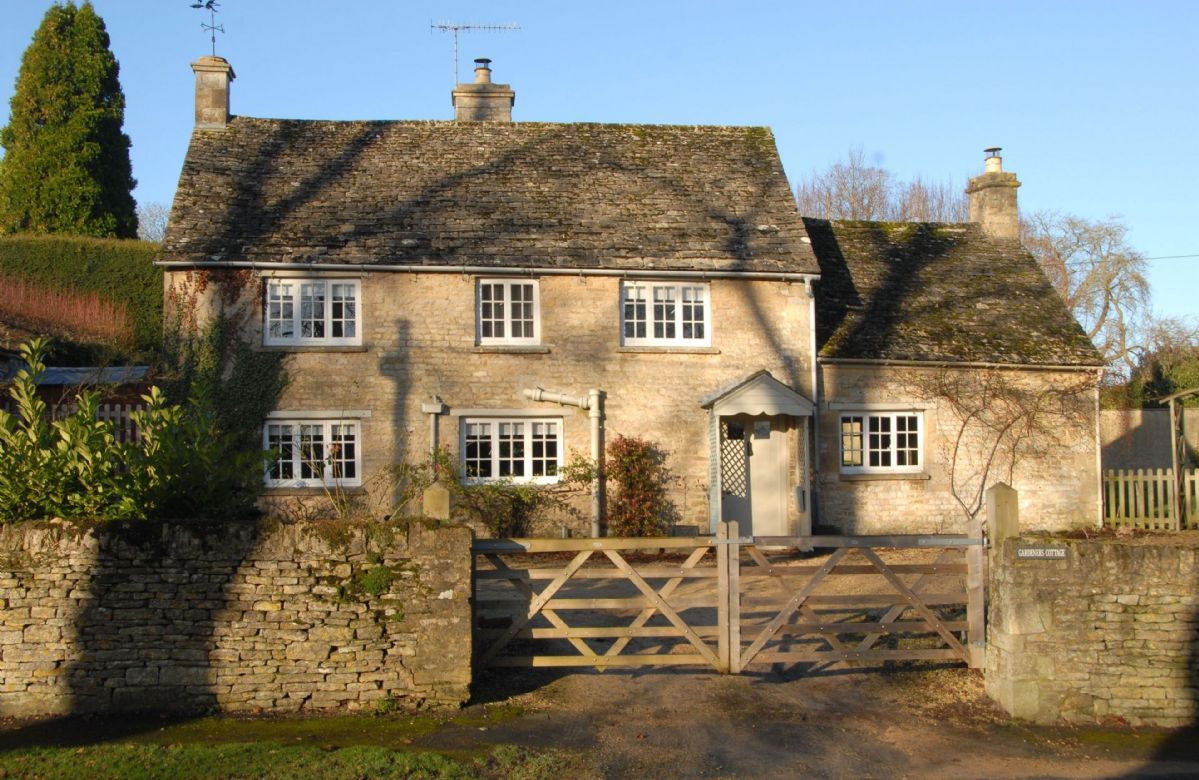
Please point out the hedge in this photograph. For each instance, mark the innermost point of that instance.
(119, 270)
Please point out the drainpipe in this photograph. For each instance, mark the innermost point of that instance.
(593, 402)
(814, 460)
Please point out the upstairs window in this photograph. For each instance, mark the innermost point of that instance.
(508, 312)
(313, 453)
(312, 312)
(881, 443)
(520, 450)
(654, 314)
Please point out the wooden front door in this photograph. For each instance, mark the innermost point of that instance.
(753, 474)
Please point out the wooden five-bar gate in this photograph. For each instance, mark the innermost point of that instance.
(727, 601)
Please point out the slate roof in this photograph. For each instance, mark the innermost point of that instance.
(939, 292)
(487, 194)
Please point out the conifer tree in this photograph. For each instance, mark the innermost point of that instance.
(66, 166)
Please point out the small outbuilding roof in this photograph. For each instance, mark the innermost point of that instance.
(925, 291)
(496, 194)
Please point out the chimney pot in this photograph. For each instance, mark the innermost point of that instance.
(482, 71)
(992, 196)
(994, 163)
(213, 76)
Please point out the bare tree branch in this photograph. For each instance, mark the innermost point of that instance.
(853, 189)
(1100, 278)
(152, 220)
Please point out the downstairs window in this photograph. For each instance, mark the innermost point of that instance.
(882, 442)
(519, 450)
(313, 453)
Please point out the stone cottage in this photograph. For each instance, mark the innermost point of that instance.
(518, 292)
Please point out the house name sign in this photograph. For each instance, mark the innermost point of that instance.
(1041, 553)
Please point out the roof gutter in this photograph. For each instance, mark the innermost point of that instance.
(473, 270)
(955, 364)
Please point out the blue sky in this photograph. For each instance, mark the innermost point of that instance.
(1093, 102)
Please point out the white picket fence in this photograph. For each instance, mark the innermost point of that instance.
(118, 414)
(1144, 498)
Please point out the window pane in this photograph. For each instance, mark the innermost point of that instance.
(907, 440)
(343, 451)
(664, 312)
(545, 449)
(851, 441)
(279, 440)
(511, 449)
(693, 312)
(343, 311)
(491, 311)
(634, 312)
(477, 455)
(521, 310)
(312, 452)
(280, 308)
(312, 310)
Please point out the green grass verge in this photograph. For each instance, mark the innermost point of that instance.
(269, 760)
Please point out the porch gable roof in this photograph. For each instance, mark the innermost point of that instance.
(758, 393)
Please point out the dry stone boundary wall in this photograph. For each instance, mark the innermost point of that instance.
(1109, 632)
(236, 618)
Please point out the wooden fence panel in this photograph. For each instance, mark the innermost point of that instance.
(1144, 499)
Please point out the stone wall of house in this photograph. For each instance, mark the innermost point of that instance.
(1111, 631)
(1140, 438)
(1056, 472)
(238, 618)
(419, 341)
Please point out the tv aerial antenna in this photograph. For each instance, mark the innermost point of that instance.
(212, 28)
(455, 28)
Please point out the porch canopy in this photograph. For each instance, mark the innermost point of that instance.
(758, 394)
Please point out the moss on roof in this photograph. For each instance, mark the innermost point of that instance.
(937, 292)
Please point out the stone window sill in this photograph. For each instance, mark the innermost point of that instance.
(511, 349)
(312, 348)
(879, 477)
(310, 492)
(670, 350)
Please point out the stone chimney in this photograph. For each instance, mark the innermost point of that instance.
(213, 75)
(483, 101)
(993, 198)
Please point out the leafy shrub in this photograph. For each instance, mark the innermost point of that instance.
(639, 506)
(180, 466)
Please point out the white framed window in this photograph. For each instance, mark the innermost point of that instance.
(521, 450)
(313, 453)
(658, 314)
(882, 442)
(317, 312)
(508, 311)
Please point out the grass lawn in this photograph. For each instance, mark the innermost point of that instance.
(267, 760)
(353, 746)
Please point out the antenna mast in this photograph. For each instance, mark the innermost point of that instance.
(212, 27)
(455, 28)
